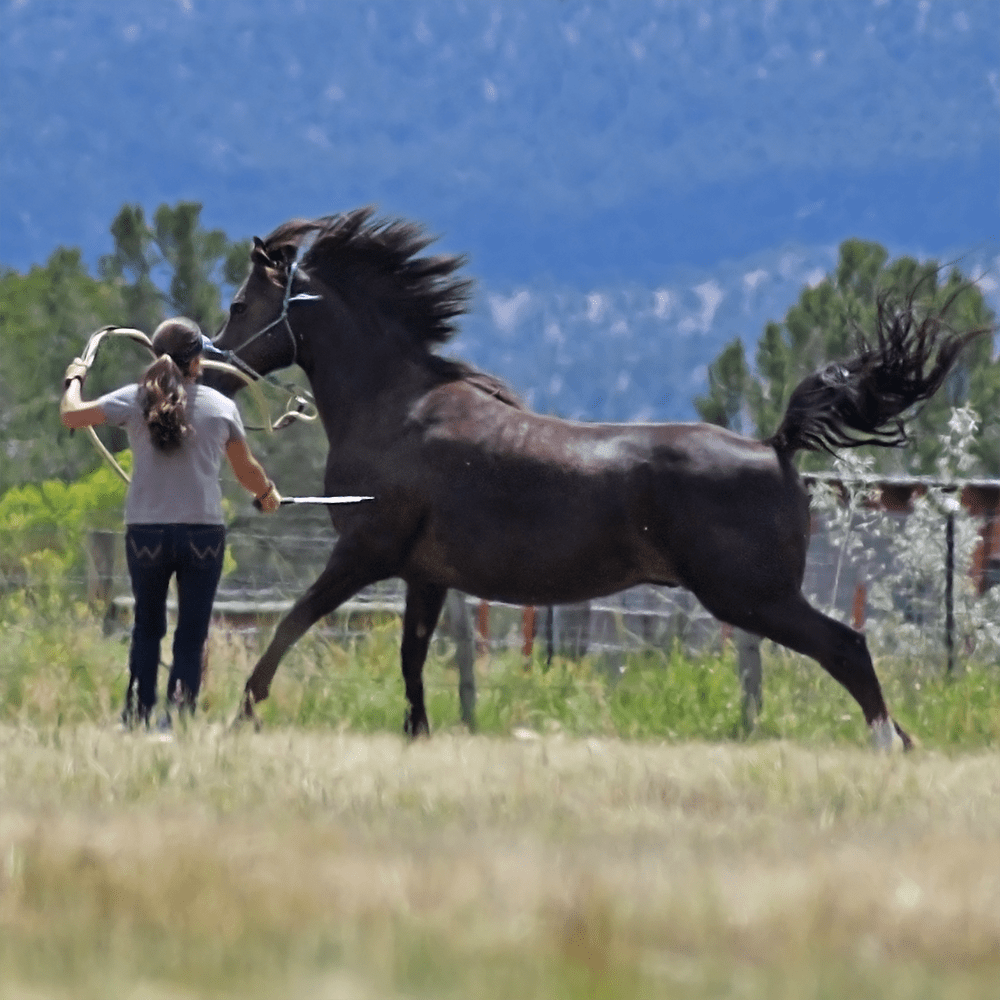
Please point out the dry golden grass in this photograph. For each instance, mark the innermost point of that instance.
(293, 863)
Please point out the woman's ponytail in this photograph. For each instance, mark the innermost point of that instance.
(177, 342)
(163, 404)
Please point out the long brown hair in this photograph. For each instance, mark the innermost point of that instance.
(178, 343)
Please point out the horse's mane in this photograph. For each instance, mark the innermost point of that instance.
(364, 258)
(359, 255)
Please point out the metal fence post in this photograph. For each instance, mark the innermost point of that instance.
(949, 589)
(751, 676)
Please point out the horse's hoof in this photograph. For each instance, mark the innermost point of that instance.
(888, 737)
(908, 743)
(247, 714)
(415, 728)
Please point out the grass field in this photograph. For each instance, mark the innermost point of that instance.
(592, 841)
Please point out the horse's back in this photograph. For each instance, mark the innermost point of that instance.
(527, 507)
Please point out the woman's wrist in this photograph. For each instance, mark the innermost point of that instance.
(269, 490)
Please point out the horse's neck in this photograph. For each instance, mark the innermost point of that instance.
(368, 396)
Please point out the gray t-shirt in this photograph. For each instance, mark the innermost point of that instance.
(182, 486)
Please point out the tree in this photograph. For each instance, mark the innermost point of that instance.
(728, 382)
(172, 267)
(45, 316)
(824, 325)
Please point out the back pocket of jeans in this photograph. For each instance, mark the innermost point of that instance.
(207, 544)
(145, 545)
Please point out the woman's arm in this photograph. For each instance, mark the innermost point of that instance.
(74, 411)
(252, 476)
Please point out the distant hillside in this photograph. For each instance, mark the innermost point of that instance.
(580, 142)
(630, 179)
(630, 351)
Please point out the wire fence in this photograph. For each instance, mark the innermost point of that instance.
(913, 563)
(863, 567)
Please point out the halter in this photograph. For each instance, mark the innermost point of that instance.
(305, 406)
(234, 359)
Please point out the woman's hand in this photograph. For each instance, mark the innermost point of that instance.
(77, 369)
(269, 501)
(74, 411)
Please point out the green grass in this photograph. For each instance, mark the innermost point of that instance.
(628, 842)
(56, 667)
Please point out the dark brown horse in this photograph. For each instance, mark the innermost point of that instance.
(474, 491)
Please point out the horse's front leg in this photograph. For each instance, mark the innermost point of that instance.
(341, 580)
(423, 607)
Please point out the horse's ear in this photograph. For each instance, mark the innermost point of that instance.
(259, 253)
(280, 258)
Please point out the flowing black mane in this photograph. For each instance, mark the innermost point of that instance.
(369, 259)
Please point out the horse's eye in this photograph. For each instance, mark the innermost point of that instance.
(238, 308)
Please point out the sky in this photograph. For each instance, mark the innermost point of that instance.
(634, 182)
(581, 141)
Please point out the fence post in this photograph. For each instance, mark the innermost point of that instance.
(748, 663)
(949, 589)
(483, 628)
(858, 605)
(550, 634)
(528, 627)
(458, 623)
(100, 565)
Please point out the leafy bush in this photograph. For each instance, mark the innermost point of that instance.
(43, 526)
(908, 585)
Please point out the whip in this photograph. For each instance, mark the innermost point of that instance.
(324, 501)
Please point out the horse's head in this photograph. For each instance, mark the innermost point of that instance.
(383, 301)
(258, 335)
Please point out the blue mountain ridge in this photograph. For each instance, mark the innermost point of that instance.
(596, 161)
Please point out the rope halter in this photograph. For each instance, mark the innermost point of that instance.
(234, 359)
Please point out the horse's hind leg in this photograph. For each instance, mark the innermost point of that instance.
(423, 607)
(839, 649)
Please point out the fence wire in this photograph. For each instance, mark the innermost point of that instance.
(866, 567)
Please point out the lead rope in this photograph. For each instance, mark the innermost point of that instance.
(90, 356)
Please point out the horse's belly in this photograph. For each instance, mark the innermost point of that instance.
(556, 564)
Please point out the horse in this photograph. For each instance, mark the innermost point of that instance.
(474, 491)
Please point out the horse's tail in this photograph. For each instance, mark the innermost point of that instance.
(860, 401)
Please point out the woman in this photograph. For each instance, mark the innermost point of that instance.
(178, 431)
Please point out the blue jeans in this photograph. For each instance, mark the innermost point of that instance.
(154, 553)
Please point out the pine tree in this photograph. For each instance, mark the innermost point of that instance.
(197, 262)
